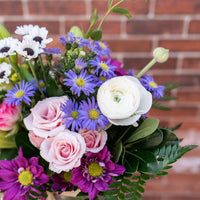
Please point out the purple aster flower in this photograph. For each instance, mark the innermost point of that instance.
(95, 173)
(82, 82)
(18, 175)
(91, 116)
(70, 38)
(21, 93)
(52, 50)
(80, 63)
(71, 116)
(150, 85)
(35, 86)
(103, 68)
(99, 48)
(62, 182)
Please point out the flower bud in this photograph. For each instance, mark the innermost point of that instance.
(161, 54)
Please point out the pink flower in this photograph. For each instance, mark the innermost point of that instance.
(35, 140)
(8, 116)
(45, 119)
(95, 141)
(64, 151)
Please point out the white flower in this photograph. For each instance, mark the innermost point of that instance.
(123, 100)
(39, 35)
(5, 71)
(25, 29)
(29, 49)
(161, 54)
(7, 46)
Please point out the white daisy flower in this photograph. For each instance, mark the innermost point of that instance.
(7, 46)
(29, 49)
(5, 71)
(25, 29)
(39, 35)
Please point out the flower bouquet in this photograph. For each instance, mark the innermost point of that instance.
(76, 120)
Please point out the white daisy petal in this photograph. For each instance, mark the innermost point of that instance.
(5, 71)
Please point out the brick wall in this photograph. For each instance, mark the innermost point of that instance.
(173, 24)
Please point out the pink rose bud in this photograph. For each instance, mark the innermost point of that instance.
(9, 115)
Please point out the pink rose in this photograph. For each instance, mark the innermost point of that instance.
(95, 141)
(45, 119)
(64, 151)
(8, 116)
(35, 140)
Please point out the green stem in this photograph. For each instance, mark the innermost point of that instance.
(35, 77)
(43, 71)
(107, 13)
(15, 68)
(146, 68)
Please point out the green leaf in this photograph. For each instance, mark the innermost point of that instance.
(3, 32)
(122, 11)
(160, 107)
(145, 129)
(111, 192)
(96, 35)
(8, 154)
(53, 89)
(115, 184)
(94, 18)
(110, 3)
(22, 139)
(130, 163)
(117, 152)
(6, 142)
(89, 33)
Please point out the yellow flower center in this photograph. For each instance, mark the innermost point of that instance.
(104, 66)
(102, 45)
(25, 177)
(102, 78)
(80, 82)
(67, 176)
(74, 114)
(93, 114)
(153, 84)
(19, 93)
(42, 85)
(94, 169)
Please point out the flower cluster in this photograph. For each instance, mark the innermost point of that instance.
(78, 117)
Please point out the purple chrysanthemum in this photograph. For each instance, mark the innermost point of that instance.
(99, 48)
(82, 82)
(21, 93)
(62, 182)
(71, 116)
(91, 116)
(150, 85)
(103, 68)
(52, 50)
(95, 173)
(18, 175)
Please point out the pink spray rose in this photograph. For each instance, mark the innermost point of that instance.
(8, 116)
(35, 140)
(95, 141)
(64, 151)
(45, 119)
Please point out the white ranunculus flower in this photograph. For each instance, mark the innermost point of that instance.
(123, 100)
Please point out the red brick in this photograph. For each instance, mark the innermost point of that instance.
(189, 96)
(154, 27)
(52, 26)
(182, 79)
(138, 63)
(191, 63)
(11, 8)
(194, 27)
(69, 7)
(178, 7)
(130, 45)
(181, 45)
(178, 111)
(134, 7)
